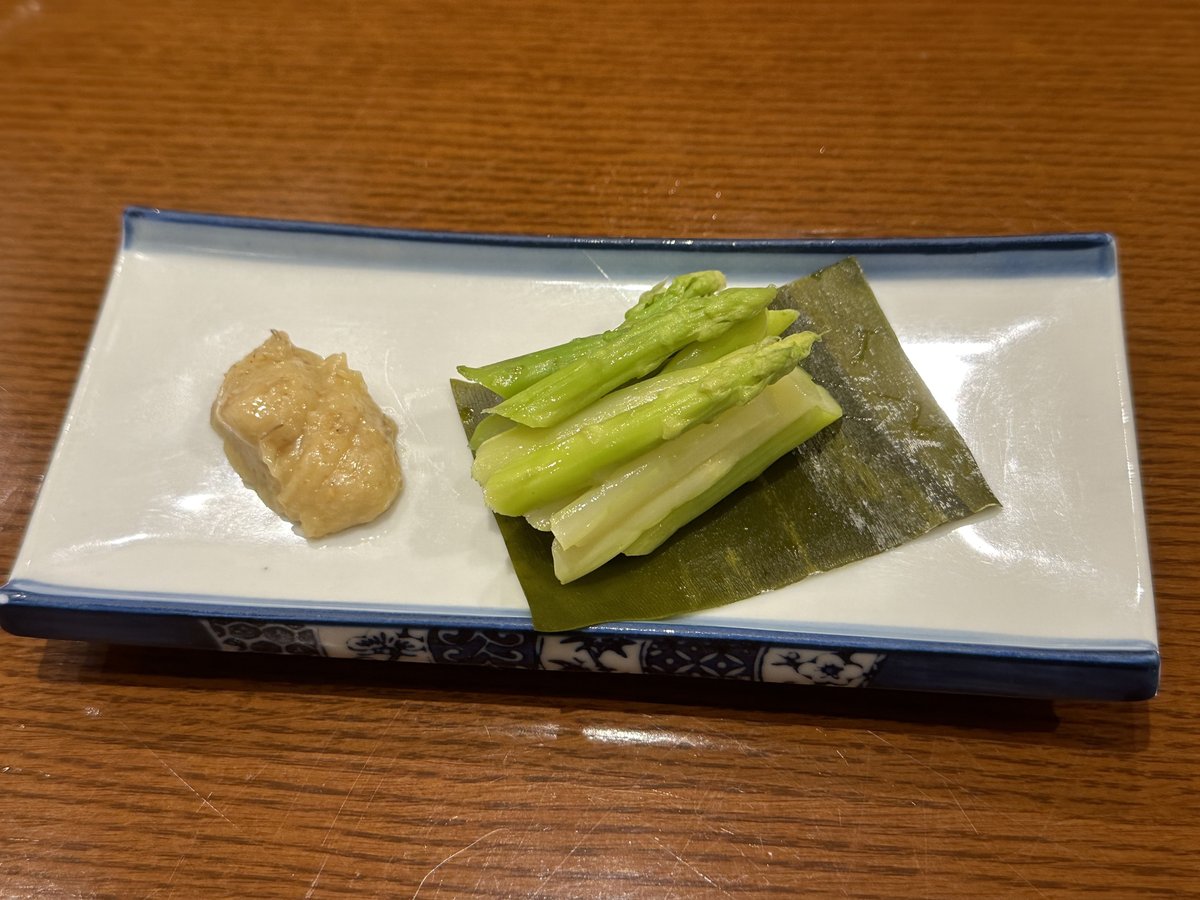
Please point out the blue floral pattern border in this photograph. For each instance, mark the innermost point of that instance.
(574, 651)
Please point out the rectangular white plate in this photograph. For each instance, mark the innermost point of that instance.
(143, 534)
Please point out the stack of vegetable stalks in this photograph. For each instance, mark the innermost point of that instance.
(614, 441)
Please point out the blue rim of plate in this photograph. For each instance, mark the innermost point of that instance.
(1125, 671)
(964, 244)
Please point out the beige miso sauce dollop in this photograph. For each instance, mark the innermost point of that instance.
(305, 434)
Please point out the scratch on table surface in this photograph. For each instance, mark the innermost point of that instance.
(458, 852)
(260, 770)
(958, 803)
(910, 757)
(303, 786)
(285, 819)
(690, 866)
(204, 801)
(179, 862)
(1044, 210)
(328, 831)
(312, 888)
(371, 799)
(383, 736)
(741, 841)
(579, 843)
(250, 779)
(640, 790)
(350, 793)
(948, 782)
(1017, 872)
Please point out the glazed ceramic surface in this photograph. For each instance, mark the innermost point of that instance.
(142, 521)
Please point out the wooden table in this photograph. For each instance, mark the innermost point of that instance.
(131, 773)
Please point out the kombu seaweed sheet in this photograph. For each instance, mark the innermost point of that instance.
(893, 468)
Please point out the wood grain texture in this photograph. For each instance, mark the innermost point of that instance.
(133, 773)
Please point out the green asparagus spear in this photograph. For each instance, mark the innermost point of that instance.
(511, 445)
(646, 479)
(602, 521)
(556, 468)
(635, 349)
(665, 293)
(489, 427)
(511, 376)
(822, 413)
(768, 323)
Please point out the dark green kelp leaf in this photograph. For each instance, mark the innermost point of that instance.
(891, 469)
